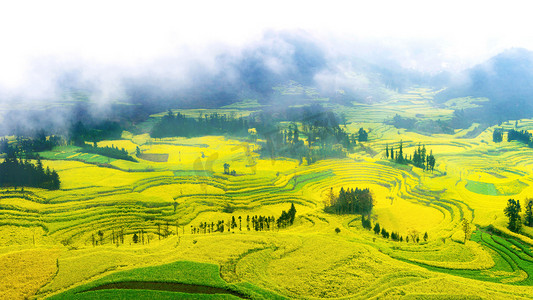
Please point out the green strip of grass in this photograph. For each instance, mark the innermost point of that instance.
(180, 272)
(482, 188)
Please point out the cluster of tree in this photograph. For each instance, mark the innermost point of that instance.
(107, 130)
(363, 135)
(419, 159)
(367, 224)
(172, 125)
(112, 151)
(512, 211)
(322, 142)
(385, 234)
(497, 135)
(287, 217)
(4, 146)
(227, 171)
(425, 126)
(349, 201)
(29, 146)
(319, 127)
(402, 122)
(412, 235)
(521, 136)
(18, 173)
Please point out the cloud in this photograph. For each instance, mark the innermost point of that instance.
(211, 52)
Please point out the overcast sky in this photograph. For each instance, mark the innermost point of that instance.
(127, 33)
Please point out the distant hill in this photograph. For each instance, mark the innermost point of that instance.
(506, 79)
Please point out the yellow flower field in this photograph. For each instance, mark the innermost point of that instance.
(51, 241)
(24, 272)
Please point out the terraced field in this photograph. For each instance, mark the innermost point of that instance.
(77, 242)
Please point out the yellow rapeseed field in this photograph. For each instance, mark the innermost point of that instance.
(51, 241)
(24, 272)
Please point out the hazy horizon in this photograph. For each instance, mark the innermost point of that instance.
(108, 41)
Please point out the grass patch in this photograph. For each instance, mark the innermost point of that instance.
(201, 275)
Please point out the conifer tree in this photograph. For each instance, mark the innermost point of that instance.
(529, 212)
(512, 211)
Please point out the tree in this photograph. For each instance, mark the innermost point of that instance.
(337, 230)
(384, 233)
(399, 157)
(377, 229)
(55, 180)
(138, 151)
(423, 157)
(431, 161)
(414, 235)
(233, 223)
(330, 199)
(497, 135)
(226, 168)
(296, 134)
(529, 212)
(135, 238)
(363, 135)
(387, 151)
(101, 235)
(366, 223)
(292, 214)
(425, 237)
(466, 229)
(512, 211)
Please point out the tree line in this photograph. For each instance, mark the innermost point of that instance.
(419, 158)
(255, 223)
(174, 125)
(349, 201)
(113, 152)
(139, 236)
(16, 172)
(413, 235)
